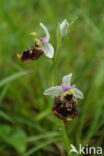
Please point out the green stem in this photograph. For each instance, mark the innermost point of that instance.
(65, 137)
(54, 66)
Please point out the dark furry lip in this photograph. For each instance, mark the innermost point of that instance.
(65, 108)
(32, 53)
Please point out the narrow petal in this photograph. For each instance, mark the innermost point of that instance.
(46, 31)
(64, 27)
(78, 94)
(48, 50)
(55, 91)
(67, 79)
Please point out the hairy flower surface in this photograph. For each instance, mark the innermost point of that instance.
(42, 46)
(32, 53)
(65, 108)
(66, 98)
(64, 26)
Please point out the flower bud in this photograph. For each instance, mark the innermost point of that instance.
(64, 27)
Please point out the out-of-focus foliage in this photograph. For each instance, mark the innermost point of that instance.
(27, 125)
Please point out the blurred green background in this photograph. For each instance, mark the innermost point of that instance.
(27, 125)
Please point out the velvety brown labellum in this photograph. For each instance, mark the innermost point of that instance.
(65, 108)
(32, 53)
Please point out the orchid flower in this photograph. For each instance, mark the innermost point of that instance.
(64, 89)
(44, 42)
(41, 46)
(65, 102)
(64, 27)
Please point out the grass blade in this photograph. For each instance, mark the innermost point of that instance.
(12, 77)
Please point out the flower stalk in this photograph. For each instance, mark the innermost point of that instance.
(56, 55)
(66, 95)
(65, 137)
(61, 123)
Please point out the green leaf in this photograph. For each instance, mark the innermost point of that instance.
(17, 139)
(14, 137)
